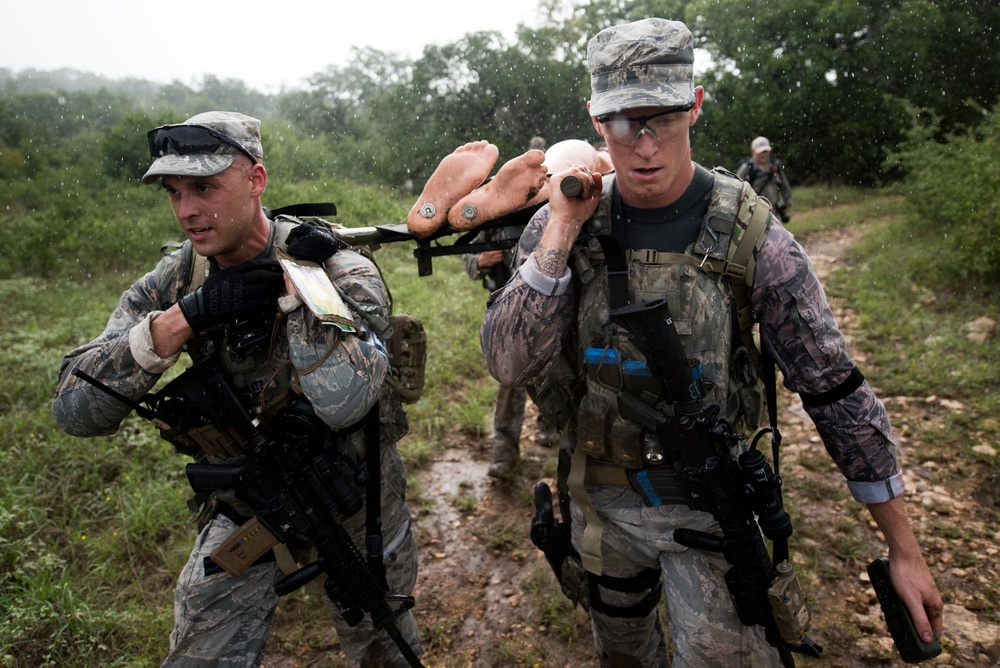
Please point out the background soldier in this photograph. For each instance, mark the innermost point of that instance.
(766, 176)
(493, 268)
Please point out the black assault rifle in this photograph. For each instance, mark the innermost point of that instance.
(294, 484)
(765, 592)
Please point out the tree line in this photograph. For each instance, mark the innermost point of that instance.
(829, 83)
(840, 89)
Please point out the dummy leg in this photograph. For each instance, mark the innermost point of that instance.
(456, 175)
(517, 182)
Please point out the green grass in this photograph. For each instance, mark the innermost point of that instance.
(915, 317)
(91, 530)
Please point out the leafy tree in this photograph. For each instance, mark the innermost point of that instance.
(11, 161)
(124, 151)
(828, 79)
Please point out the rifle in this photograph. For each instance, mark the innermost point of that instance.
(765, 591)
(781, 208)
(293, 483)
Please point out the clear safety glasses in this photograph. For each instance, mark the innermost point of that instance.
(627, 129)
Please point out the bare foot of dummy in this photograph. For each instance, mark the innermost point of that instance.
(456, 175)
(516, 184)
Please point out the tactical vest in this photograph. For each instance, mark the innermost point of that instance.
(707, 291)
(262, 373)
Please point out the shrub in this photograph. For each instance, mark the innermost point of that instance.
(950, 186)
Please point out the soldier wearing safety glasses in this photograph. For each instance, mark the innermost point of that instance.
(223, 294)
(660, 229)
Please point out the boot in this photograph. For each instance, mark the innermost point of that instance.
(505, 459)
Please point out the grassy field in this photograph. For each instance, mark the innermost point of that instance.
(91, 530)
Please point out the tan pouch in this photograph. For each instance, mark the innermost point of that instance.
(407, 356)
(244, 547)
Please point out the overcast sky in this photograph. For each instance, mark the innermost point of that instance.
(264, 44)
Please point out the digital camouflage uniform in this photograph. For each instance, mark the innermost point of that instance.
(523, 333)
(221, 620)
(508, 412)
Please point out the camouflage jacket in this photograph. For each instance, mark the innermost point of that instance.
(526, 324)
(342, 386)
(770, 183)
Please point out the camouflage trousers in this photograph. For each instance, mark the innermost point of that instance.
(224, 621)
(705, 630)
(508, 417)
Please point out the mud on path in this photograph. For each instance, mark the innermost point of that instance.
(486, 597)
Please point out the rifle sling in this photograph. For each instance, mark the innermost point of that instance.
(590, 549)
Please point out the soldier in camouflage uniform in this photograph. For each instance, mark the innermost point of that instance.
(210, 168)
(766, 175)
(643, 103)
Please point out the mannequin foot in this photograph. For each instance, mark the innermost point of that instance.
(456, 175)
(516, 184)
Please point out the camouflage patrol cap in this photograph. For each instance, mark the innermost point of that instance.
(233, 126)
(647, 63)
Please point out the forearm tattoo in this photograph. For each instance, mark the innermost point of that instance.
(552, 263)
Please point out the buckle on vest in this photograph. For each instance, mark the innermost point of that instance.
(736, 270)
(644, 255)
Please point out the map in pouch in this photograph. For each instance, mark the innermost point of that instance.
(318, 292)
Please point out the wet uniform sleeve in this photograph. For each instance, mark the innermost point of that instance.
(341, 373)
(471, 261)
(525, 322)
(797, 325)
(121, 358)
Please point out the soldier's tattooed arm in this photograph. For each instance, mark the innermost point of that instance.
(566, 216)
(551, 262)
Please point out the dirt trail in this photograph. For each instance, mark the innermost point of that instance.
(486, 597)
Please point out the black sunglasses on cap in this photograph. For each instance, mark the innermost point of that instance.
(190, 140)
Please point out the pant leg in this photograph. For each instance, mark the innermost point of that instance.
(705, 629)
(622, 642)
(508, 416)
(703, 623)
(220, 620)
(363, 645)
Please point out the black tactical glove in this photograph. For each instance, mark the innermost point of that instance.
(312, 241)
(247, 290)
